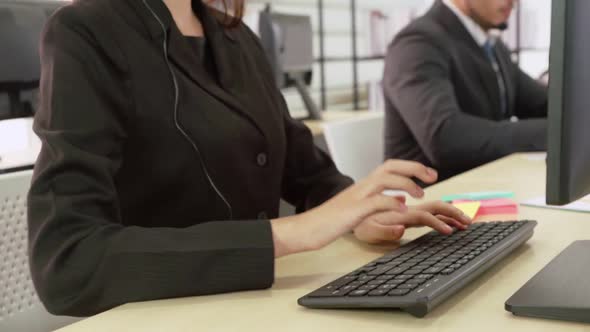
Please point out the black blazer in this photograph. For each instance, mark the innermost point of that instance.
(442, 98)
(121, 208)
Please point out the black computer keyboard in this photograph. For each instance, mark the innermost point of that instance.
(421, 274)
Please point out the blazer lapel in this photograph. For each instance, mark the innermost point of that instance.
(229, 85)
(481, 64)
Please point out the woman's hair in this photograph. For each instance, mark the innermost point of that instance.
(234, 12)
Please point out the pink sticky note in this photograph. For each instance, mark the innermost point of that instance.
(495, 206)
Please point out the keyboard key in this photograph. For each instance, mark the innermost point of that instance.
(424, 276)
(384, 277)
(380, 270)
(331, 287)
(388, 286)
(421, 267)
(355, 284)
(399, 292)
(383, 260)
(368, 287)
(342, 281)
(320, 293)
(397, 270)
(359, 292)
(407, 286)
(413, 261)
(378, 292)
(441, 265)
(403, 277)
(413, 272)
(397, 261)
(365, 278)
(417, 281)
(433, 270)
(428, 262)
(347, 289)
(376, 282)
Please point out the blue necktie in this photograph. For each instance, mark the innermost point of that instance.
(490, 51)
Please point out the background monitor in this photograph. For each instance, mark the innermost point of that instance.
(21, 25)
(288, 42)
(568, 159)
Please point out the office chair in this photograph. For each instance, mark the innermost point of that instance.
(21, 24)
(356, 145)
(20, 308)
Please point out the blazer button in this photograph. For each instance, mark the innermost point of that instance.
(262, 215)
(262, 159)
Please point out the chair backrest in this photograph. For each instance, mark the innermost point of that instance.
(356, 145)
(20, 308)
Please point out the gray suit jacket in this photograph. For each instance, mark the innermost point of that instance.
(442, 98)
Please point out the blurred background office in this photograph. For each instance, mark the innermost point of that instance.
(349, 42)
(339, 47)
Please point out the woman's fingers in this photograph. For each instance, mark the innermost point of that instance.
(380, 182)
(397, 175)
(415, 218)
(452, 222)
(374, 232)
(381, 204)
(409, 169)
(421, 218)
(445, 209)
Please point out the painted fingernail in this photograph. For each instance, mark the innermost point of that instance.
(403, 207)
(466, 218)
(419, 192)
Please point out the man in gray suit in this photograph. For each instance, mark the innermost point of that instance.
(453, 94)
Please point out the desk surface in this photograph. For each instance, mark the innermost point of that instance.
(478, 307)
(329, 116)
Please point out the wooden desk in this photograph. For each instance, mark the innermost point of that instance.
(329, 116)
(478, 307)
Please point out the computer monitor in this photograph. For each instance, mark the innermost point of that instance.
(568, 160)
(288, 42)
(21, 24)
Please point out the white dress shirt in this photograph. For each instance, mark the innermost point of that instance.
(475, 30)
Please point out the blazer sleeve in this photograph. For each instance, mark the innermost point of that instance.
(83, 259)
(418, 81)
(310, 177)
(532, 97)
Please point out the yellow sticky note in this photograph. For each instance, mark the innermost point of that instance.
(469, 208)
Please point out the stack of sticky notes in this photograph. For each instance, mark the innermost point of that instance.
(484, 203)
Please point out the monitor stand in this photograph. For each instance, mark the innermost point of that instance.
(18, 108)
(312, 109)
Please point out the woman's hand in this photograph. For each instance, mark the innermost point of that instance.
(360, 203)
(390, 226)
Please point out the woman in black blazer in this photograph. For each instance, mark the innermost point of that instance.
(166, 150)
